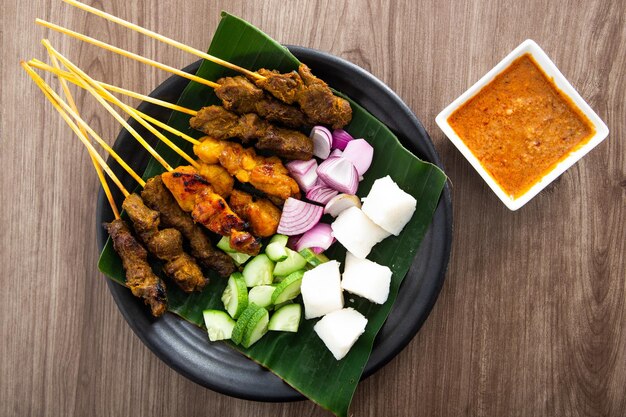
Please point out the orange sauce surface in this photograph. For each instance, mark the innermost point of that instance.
(520, 126)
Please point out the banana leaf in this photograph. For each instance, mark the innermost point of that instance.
(301, 359)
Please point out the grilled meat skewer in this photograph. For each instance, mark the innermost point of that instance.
(220, 123)
(315, 98)
(166, 244)
(241, 96)
(266, 174)
(157, 197)
(262, 215)
(142, 282)
(194, 194)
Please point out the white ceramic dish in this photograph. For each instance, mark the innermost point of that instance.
(601, 130)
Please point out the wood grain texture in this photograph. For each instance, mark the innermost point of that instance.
(531, 320)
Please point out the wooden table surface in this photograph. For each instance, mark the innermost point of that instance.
(531, 320)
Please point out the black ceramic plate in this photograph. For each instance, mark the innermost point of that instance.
(185, 347)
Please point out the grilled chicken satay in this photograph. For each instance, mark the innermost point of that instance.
(166, 244)
(262, 215)
(157, 197)
(194, 194)
(142, 282)
(220, 123)
(266, 174)
(241, 96)
(219, 178)
(315, 98)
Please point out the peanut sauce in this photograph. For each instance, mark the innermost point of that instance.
(520, 126)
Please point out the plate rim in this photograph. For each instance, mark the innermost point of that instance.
(444, 205)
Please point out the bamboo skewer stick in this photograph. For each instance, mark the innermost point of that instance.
(61, 107)
(125, 53)
(76, 117)
(96, 165)
(89, 84)
(76, 80)
(35, 63)
(163, 39)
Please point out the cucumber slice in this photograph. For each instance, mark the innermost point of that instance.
(282, 239)
(224, 244)
(281, 305)
(258, 271)
(289, 288)
(293, 262)
(219, 324)
(286, 319)
(235, 295)
(256, 327)
(238, 257)
(276, 252)
(240, 326)
(314, 259)
(261, 295)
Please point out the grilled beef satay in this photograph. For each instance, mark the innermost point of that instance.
(262, 215)
(142, 282)
(315, 98)
(241, 96)
(157, 197)
(266, 174)
(194, 194)
(166, 244)
(220, 123)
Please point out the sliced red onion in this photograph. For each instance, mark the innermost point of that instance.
(300, 167)
(292, 241)
(322, 140)
(339, 173)
(320, 237)
(304, 172)
(335, 152)
(298, 217)
(318, 250)
(321, 193)
(341, 139)
(360, 153)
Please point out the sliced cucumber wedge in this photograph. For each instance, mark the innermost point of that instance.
(240, 326)
(313, 259)
(256, 327)
(238, 257)
(276, 251)
(293, 262)
(219, 324)
(235, 295)
(286, 318)
(224, 244)
(258, 271)
(261, 295)
(282, 239)
(288, 289)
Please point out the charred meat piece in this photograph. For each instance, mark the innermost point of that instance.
(219, 123)
(158, 198)
(241, 96)
(219, 178)
(262, 215)
(194, 194)
(142, 282)
(266, 174)
(315, 98)
(166, 245)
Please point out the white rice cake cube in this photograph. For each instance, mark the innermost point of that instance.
(340, 329)
(366, 278)
(321, 290)
(389, 206)
(356, 232)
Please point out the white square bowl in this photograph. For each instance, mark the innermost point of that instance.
(601, 130)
